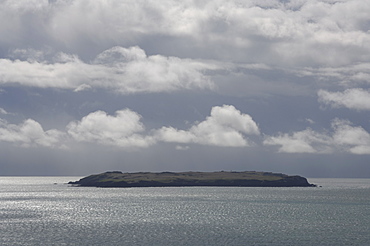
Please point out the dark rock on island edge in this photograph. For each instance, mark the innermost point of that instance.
(186, 179)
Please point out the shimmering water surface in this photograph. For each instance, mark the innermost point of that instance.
(47, 211)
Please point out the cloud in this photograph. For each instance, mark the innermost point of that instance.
(83, 87)
(30, 133)
(306, 141)
(354, 139)
(28, 54)
(179, 147)
(357, 98)
(301, 33)
(3, 111)
(155, 73)
(346, 76)
(120, 130)
(304, 38)
(225, 126)
(343, 138)
(310, 121)
(119, 69)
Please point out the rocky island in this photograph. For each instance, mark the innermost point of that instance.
(178, 179)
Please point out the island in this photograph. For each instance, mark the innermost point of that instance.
(180, 179)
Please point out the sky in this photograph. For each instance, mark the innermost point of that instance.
(206, 85)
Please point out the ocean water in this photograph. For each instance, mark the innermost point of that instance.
(47, 211)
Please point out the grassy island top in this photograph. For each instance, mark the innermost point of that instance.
(168, 176)
(221, 178)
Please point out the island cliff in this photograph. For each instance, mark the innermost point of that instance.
(178, 179)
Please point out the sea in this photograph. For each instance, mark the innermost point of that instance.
(48, 211)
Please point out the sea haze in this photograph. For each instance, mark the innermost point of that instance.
(47, 211)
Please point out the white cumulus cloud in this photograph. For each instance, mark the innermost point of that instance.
(357, 98)
(354, 139)
(306, 141)
(124, 70)
(122, 130)
(344, 137)
(226, 126)
(30, 133)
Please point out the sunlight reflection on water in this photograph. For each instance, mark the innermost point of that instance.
(47, 211)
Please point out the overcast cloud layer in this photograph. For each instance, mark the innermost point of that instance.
(185, 85)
